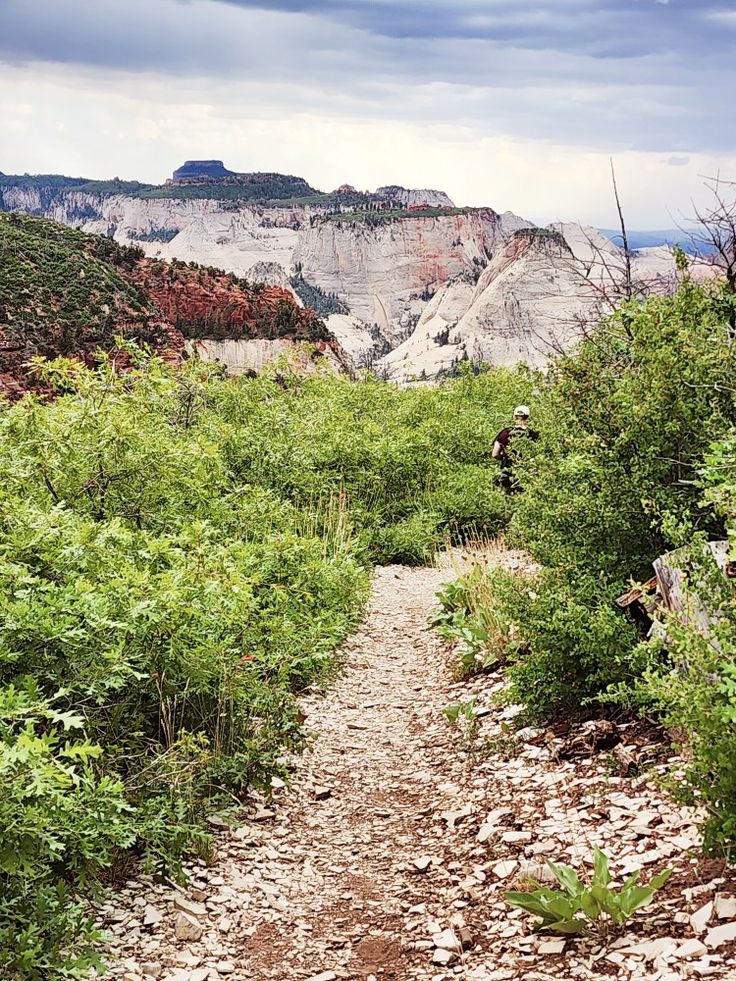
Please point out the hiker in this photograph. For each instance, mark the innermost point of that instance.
(503, 449)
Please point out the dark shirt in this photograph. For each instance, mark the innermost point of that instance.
(507, 436)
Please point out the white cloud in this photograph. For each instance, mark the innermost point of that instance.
(727, 17)
(110, 130)
(517, 105)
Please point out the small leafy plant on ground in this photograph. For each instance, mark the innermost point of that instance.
(464, 716)
(578, 908)
(469, 628)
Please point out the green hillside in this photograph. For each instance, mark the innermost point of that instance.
(60, 292)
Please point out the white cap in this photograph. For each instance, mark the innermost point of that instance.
(522, 410)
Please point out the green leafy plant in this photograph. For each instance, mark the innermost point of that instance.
(461, 620)
(458, 711)
(578, 907)
(464, 716)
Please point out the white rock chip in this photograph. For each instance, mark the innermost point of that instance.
(187, 927)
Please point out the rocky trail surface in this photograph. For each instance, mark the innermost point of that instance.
(388, 855)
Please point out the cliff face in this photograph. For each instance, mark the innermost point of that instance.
(202, 303)
(384, 270)
(526, 306)
(387, 272)
(413, 198)
(530, 303)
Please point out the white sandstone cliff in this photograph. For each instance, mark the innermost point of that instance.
(526, 306)
(385, 273)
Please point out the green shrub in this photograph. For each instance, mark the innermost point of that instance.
(569, 646)
(62, 821)
(625, 421)
(691, 680)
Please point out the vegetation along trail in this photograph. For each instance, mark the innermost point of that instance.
(389, 854)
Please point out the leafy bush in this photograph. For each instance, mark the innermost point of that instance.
(412, 467)
(578, 908)
(179, 555)
(568, 647)
(61, 823)
(691, 681)
(625, 423)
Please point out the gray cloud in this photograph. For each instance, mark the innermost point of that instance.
(610, 74)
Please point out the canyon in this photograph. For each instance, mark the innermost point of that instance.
(407, 283)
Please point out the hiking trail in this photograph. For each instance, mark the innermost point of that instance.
(388, 854)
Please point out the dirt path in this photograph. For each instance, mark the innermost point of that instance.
(392, 847)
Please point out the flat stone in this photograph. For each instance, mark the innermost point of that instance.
(516, 837)
(189, 907)
(444, 957)
(423, 863)
(720, 935)
(551, 947)
(215, 821)
(651, 949)
(502, 870)
(447, 940)
(324, 976)
(691, 948)
(724, 907)
(187, 927)
(152, 916)
(186, 958)
(262, 813)
(699, 919)
(225, 967)
(453, 818)
(485, 832)
(322, 793)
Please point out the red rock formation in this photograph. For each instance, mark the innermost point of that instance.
(177, 301)
(202, 302)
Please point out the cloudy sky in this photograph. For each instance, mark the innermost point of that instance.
(517, 104)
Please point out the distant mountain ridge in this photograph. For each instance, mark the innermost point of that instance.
(211, 180)
(651, 239)
(407, 282)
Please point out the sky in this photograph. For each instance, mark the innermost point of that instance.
(515, 104)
